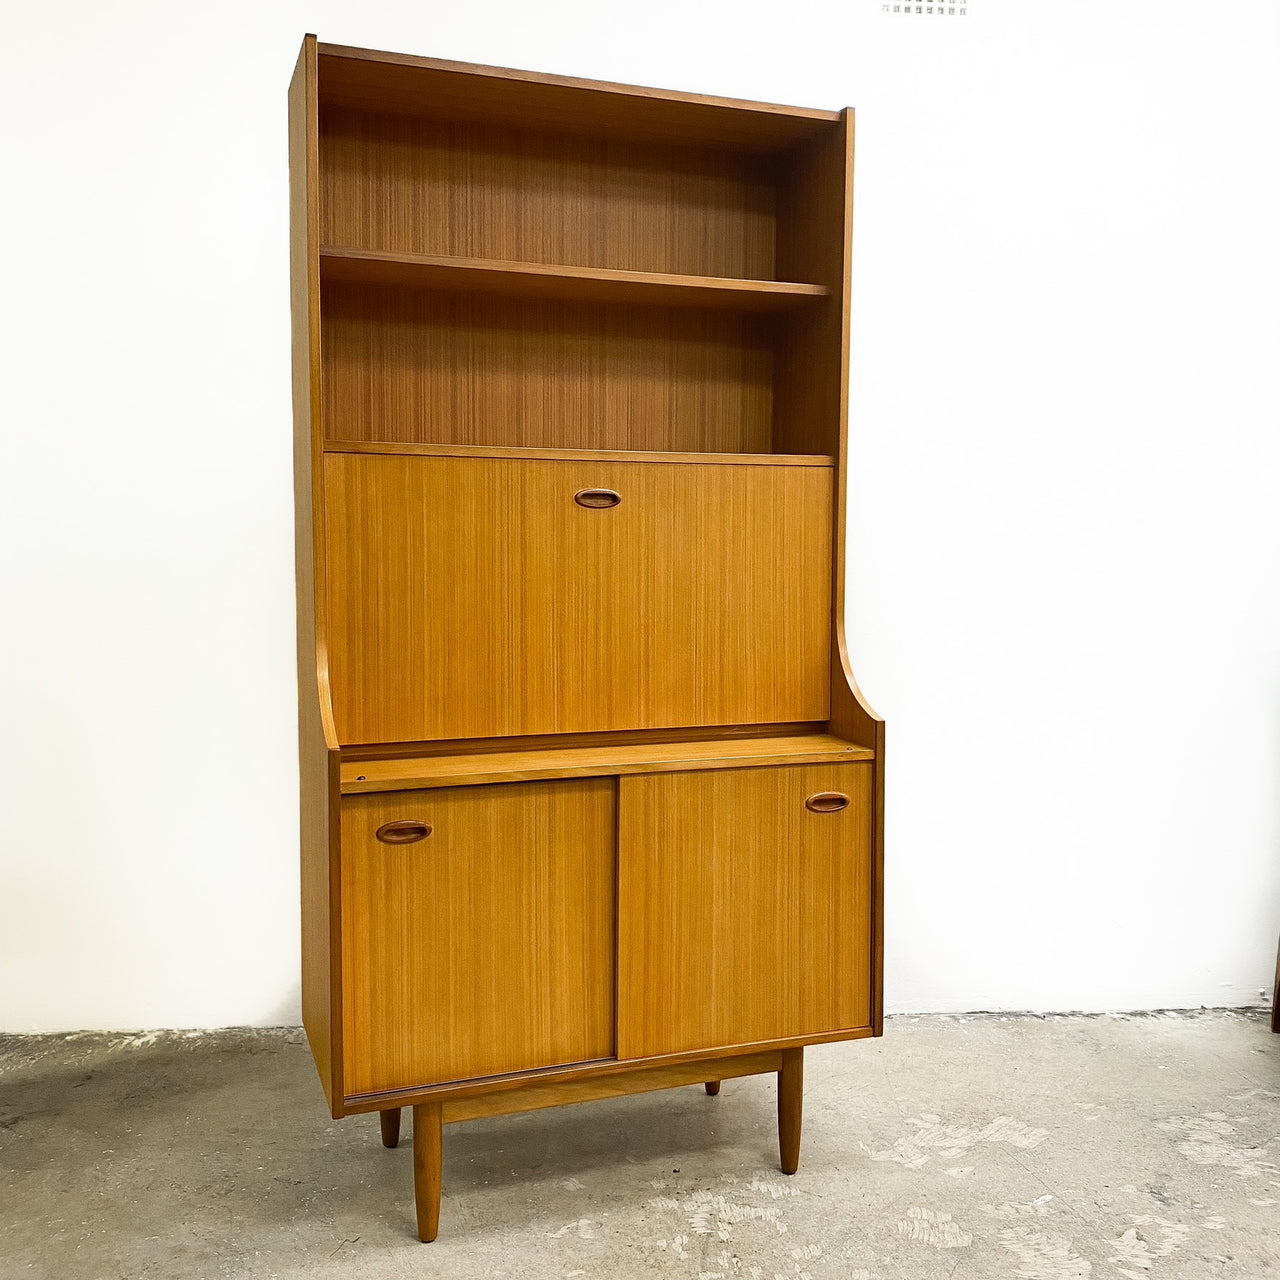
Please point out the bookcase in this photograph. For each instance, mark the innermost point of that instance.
(590, 801)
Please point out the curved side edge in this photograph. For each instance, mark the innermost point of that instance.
(851, 715)
(852, 718)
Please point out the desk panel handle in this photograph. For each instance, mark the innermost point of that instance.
(405, 832)
(827, 802)
(597, 498)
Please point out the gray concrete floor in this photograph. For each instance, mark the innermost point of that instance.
(1139, 1146)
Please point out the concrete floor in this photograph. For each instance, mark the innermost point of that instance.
(971, 1148)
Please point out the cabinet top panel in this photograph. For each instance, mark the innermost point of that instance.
(466, 91)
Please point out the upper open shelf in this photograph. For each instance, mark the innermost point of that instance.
(516, 260)
(579, 284)
(366, 78)
(518, 193)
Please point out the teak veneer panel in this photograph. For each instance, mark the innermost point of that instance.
(611, 719)
(742, 916)
(486, 947)
(469, 91)
(593, 761)
(551, 741)
(419, 365)
(423, 186)
(473, 598)
(578, 455)
(583, 284)
(559, 1093)
(317, 737)
(517, 1082)
(815, 231)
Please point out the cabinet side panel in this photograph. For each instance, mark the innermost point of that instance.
(815, 231)
(815, 237)
(810, 396)
(815, 234)
(317, 757)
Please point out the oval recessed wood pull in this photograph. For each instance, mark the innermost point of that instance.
(403, 832)
(827, 802)
(598, 498)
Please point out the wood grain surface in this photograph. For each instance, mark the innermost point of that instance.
(581, 284)
(428, 1168)
(317, 736)
(790, 1108)
(453, 368)
(535, 286)
(389, 1124)
(469, 91)
(550, 741)
(528, 763)
(742, 916)
(474, 598)
(416, 185)
(559, 1093)
(414, 450)
(518, 1081)
(487, 947)
(852, 716)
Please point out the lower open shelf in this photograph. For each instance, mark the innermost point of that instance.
(526, 764)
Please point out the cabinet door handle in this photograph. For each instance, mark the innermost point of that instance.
(599, 498)
(405, 832)
(827, 802)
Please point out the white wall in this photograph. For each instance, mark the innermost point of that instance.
(1065, 565)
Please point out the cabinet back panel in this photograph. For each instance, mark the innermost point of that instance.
(484, 948)
(472, 597)
(415, 185)
(416, 366)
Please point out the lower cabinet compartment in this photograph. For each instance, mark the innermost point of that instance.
(744, 906)
(477, 931)
(504, 928)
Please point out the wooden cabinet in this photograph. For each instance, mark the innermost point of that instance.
(590, 802)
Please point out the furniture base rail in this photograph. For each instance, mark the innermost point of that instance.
(429, 1118)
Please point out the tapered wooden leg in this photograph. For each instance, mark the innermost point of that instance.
(428, 1152)
(1275, 998)
(390, 1121)
(713, 1087)
(790, 1107)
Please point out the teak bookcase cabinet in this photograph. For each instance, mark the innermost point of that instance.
(590, 802)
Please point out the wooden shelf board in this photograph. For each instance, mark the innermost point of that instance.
(587, 762)
(578, 455)
(579, 284)
(372, 79)
(559, 1093)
